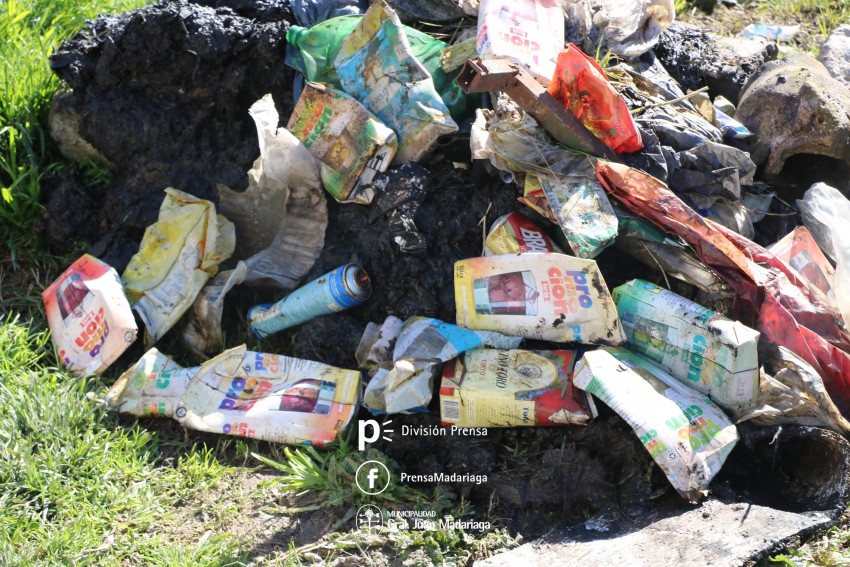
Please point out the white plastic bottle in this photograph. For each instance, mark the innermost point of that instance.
(530, 32)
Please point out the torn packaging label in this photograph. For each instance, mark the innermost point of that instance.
(548, 296)
(506, 388)
(352, 144)
(91, 323)
(687, 435)
(770, 296)
(515, 234)
(270, 397)
(150, 388)
(376, 66)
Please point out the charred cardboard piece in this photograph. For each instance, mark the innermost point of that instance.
(799, 481)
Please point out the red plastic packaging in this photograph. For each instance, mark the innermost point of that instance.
(584, 89)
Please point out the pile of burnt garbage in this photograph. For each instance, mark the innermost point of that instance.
(530, 224)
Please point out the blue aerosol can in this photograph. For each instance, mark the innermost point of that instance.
(338, 290)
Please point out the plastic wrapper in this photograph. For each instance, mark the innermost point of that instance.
(773, 33)
(515, 234)
(685, 432)
(91, 323)
(698, 346)
(352, 144)
(551, 297)
(407, 385)
(800, 251)
(790, 391)
(627, 29)
(507, 388)
(270, 397)
(531, 32)
(580, 83)
(825, 210)
(513, 141)
(150, 388)
(376, 344)
(280, 222)
(178, 254)
(376, 66)
(769, 295)
(710, 169)
(581, 208)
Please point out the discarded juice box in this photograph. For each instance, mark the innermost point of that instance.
(335, 291)
(423, 343)
(581, 209)
(91, 323)
(515, 234)
(507, 388)
(800, 251)
(549, 296)
(352, 144)
(376, 66)
(687, 435)
(700, 347)
(530, 32)
(178, 254)
(150, 388)
(270, 397)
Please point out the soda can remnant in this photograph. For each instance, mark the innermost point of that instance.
(345, 287)
(687, 435)
(515, 234)
(352, 144)
(91, 323)
(270, 397)
(698, 346)
(507, 388)
(551, 297)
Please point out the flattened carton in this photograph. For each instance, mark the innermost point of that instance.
(549, 296)
(151, 387)
(507, 388)
(91, 323)
(800, 251)
(270, 397)
(352, 144)
(700, 347)
(686, 434)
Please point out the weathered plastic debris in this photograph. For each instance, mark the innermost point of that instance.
(352, 144)
(835, 54)
(795, 108)
(626, 29)
(515, 234)
(790, 391)
(376, 344)
(152, 387)
(825, 211)
(400, 194)
(91, 323)
(508, 388)
(710, 169)
(730, 127)
(580, 207)
(697, 346)
(177, 256)
(343, 288)
(800, 251)
(530, 32)
(407, 385)
(769, 295)
(685, 432)
(270, 397)
(581, 85)
(505, 75)
(549, 296)
(376, 66)
(312, 12)
(461, 49)
(667, 253)
(280, 220)
(773, 33)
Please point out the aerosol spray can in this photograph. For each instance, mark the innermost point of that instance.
(338, 290)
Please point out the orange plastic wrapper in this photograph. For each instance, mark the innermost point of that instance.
(581, 84)
(769, 295)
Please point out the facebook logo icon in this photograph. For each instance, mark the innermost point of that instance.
(372, 477)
